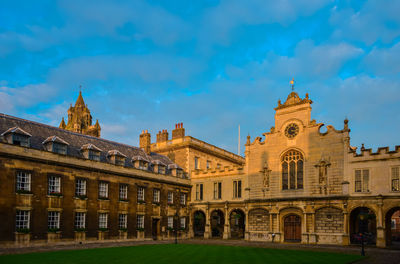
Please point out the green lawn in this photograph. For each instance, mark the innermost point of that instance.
(179, 254)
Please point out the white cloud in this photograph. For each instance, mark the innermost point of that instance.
(219, 21)
(376, 20)
(383, 61)
(26, 96)
(149, 68)
(308, 61)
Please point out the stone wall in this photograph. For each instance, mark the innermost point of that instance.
(258, 220)
(329, 220)
(38, 202)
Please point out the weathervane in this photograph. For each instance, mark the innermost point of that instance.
(292, 84)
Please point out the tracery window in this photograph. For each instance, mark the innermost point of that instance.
(292, 170)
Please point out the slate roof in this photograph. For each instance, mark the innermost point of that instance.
(41, 132)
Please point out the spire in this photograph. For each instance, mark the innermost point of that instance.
(79, 101)
(62, 124)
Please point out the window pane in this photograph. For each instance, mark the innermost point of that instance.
(53, 220)
(122, 221)
(22, 219)
(284, 176)
(300, 174)
(80, 187)
(365, 181)
(23, 181)
(292, 174)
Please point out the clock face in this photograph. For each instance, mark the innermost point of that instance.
(291, 130)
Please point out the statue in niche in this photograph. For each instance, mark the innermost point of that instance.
(266, 173)
(322, 167)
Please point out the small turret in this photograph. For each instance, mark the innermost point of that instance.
(62, 124)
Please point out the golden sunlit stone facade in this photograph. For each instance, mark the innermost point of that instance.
(300, 184)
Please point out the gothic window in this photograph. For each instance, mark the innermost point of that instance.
(292, 170)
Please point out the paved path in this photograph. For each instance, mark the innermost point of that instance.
(374, 255)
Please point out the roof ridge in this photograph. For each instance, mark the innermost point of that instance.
(64, 130)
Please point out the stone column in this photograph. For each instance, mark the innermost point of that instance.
(191, 232)
(380, 226)
(246, 226)
(346, 236)
(226, 234)
(304, 234)
(207, 227)
(312, 236)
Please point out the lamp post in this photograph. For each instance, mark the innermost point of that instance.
(273, 236)
(363, 216)
(362, 244)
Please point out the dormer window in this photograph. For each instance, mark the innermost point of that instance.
(91, 152)
(176, 170)
(143, 165)
(94, 155)
(17, 136)
(179, 173)
(56, 145)
(159, 167)
(116, 157)
(140, 162)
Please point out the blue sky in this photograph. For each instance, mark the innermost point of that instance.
(209, 64)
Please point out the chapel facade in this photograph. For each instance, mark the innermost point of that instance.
(300, 184)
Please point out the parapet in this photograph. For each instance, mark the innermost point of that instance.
(367, 153)
(215, 172)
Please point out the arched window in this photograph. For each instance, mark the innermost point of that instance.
(292, 170)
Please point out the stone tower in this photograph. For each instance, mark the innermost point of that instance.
(80, 119)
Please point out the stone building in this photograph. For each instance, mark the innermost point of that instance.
(300, 184)
(58, 185)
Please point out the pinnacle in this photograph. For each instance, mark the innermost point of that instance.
(79, 101)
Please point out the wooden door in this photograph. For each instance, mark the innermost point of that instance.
(292, 228)
(155, 232)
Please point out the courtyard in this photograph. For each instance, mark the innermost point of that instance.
(181, 253)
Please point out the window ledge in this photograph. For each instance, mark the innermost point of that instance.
(103, 199)
(55, 195)
(369, 192)
(24, 194)
(80, 198)
(292, 190)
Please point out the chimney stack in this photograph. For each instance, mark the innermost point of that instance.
(145, 141)
(162, 136)
(179, 131)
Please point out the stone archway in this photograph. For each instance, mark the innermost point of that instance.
(217, 223)
(292, 228)
(199, 223)
(362, 223)
(392, 227)
(237, 223)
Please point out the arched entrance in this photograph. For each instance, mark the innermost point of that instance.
(199, 223)
(292, 228)
(362, 222)
(392, 227)
(237, 223)
(217, 223)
